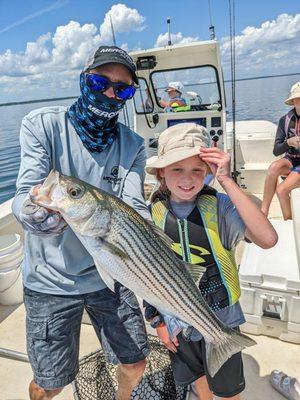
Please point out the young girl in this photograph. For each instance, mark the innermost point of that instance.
(287, 141)
(205, 227)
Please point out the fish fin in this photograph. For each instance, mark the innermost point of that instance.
(165, 238)
(196, 271)
(107, 279)
(217, 354)
(115, 250)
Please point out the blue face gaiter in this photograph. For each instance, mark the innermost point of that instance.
(94, 117)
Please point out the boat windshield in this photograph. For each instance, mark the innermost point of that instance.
(143, 100)
(199, 89)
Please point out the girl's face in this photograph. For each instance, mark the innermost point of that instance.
(296, 102)
(185, 178)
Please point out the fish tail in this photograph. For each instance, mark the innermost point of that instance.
(218, 353)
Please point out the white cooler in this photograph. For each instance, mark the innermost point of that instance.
(270, 282)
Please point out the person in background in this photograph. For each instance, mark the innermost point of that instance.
(60, 279)
(176, 101)
(205, 227)
(287, 141)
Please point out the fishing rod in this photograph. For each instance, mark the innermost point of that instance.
(231, 4)
(125, 110)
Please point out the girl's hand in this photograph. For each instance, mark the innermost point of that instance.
(163, 335)
(294, 141)
(218, 161)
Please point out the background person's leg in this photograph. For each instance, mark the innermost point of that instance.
(283, 192)
(276, 169)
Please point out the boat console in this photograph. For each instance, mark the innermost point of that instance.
(197, 67)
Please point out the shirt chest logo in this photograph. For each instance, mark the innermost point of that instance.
(113, 177)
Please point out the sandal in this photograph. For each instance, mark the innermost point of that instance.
(285, 385)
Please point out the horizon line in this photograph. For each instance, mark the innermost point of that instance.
(14, 103)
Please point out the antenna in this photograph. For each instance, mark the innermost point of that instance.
(169, 33)
(211, 28)
(112, 30)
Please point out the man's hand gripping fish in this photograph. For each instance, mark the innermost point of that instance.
(127, 248)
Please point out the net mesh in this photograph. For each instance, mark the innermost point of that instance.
(96, 379)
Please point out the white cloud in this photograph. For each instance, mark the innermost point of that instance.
(28, 63)
(125, 47)
(274, 47)
(37, 52)
(123, 18)
(176, 38)
(73, 43)
(55, 60)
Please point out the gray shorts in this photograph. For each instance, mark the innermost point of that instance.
(53, 327)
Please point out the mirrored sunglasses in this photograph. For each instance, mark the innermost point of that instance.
(102, 83)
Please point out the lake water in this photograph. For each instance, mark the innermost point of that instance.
(255, 99)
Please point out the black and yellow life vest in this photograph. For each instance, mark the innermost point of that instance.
(197, 241)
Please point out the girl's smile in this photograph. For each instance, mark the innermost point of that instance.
(186, 189)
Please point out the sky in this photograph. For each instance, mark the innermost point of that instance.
(44, 43)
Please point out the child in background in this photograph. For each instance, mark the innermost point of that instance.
(287, 141)
(205, 227)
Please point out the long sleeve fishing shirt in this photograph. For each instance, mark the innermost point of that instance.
(284, 132)
(60, 264)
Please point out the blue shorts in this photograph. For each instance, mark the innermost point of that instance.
(53, 327)
(295, 161)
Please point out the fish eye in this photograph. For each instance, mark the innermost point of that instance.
(76, 192)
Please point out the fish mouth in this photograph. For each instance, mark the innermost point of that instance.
(49, 192)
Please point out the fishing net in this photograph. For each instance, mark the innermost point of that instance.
(96, 379)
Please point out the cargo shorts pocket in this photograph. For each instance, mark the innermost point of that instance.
(129, 306)
(132, 318)
(131, 300)
(38, 347)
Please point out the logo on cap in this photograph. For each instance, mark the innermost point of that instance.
(121, 52)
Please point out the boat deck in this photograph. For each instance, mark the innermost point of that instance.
(259, 361)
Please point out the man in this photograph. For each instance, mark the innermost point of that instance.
(60, 279)
(176, 102)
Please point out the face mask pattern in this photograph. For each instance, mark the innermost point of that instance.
(94, 117)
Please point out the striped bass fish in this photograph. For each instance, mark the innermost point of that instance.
(133, 251)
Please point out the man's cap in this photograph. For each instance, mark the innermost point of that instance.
(175, 85)
(177, 143)
(111, 54)
(294, 94)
